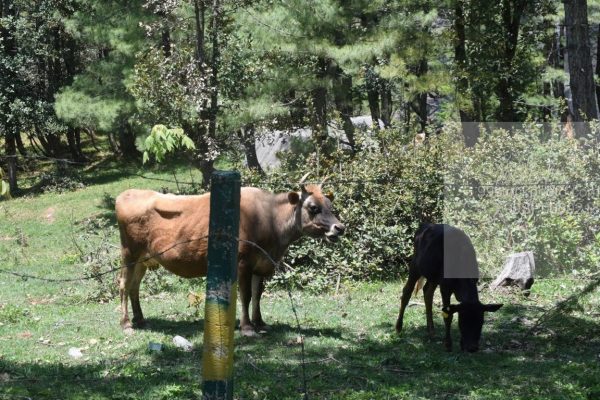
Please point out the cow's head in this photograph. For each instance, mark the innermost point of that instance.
(314, 212)
(470, 322)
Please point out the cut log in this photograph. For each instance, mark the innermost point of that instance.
(518, 270)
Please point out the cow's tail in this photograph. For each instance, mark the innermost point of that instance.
(419, 285)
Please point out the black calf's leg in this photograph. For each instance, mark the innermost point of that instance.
(428, 291)
(447, 316)
(406, 293)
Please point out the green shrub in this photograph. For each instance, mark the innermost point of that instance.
(62, 179)
(381, 194)
(513, 191)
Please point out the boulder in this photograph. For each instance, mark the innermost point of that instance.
(518, 270)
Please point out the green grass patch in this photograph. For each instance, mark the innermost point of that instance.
(530, 349)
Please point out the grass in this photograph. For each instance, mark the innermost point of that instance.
(530, 350)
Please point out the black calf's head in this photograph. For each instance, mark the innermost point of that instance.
(470, 322)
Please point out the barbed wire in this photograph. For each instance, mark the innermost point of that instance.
(219, 236)
(391, 180)
(43, 158)
(95, 276)
(383, 180)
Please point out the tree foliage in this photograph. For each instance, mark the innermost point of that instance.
(224, 71)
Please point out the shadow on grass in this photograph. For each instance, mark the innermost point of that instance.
(559, 361)
(513, 365)
(185, 328)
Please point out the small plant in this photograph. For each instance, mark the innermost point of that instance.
(10, 314)
(163, 140)
(22, 239)
(95, 244)
(4, 187)
(62, 179)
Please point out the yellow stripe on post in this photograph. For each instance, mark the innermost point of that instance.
(221, 286)
(217, 362)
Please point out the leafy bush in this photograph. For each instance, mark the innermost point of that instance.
(513, 191)
(381, 194)
(62, 179)
(516, 191)
(95, 242)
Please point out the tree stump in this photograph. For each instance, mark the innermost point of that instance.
(518, 270)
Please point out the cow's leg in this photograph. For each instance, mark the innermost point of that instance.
(245, 285)
(413, 277)
(125, 281)
(447, 316)
(134, 294)
(428, 291)
(258, 286)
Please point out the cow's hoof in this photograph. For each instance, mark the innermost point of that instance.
(399, 327)
(139, 323)
(260, 327)
(248, 331)
(128, 331)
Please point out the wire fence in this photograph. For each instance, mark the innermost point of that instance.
(384, 180)
(155, 256)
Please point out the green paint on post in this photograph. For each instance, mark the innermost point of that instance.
(221, 286)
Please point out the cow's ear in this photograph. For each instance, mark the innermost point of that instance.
(293, 198)
(330, 195)
(491, 307)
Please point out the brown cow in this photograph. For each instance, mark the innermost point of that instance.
(170, 230)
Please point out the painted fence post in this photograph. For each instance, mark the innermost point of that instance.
(221, 286)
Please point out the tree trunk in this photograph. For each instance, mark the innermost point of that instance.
(342, 94)
(54, 145)
(78, 144)
(248, 139)
(559, 63)
(74, 141)
(469, 126)
(319, 102)
(9, 49)
(206, 163)
(373, 99)
(386, 104)
(127, 141)
(20, 144)
(512, 10)
(166, 42)
(421, 99)
(114, 147)
(598, 65)
(199, 10)
(11, 151)
(580, 64)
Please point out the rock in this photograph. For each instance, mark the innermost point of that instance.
(74, 352)
(518, 270)
(269, 144)
(154, 346)
(182, 343)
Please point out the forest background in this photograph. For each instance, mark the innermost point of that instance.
(485, 113)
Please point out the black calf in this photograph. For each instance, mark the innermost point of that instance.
(445, 256)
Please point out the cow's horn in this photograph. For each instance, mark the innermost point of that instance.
(301, 183)
(324, 180)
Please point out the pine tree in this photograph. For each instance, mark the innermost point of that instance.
(581, 81)
(98, 98)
